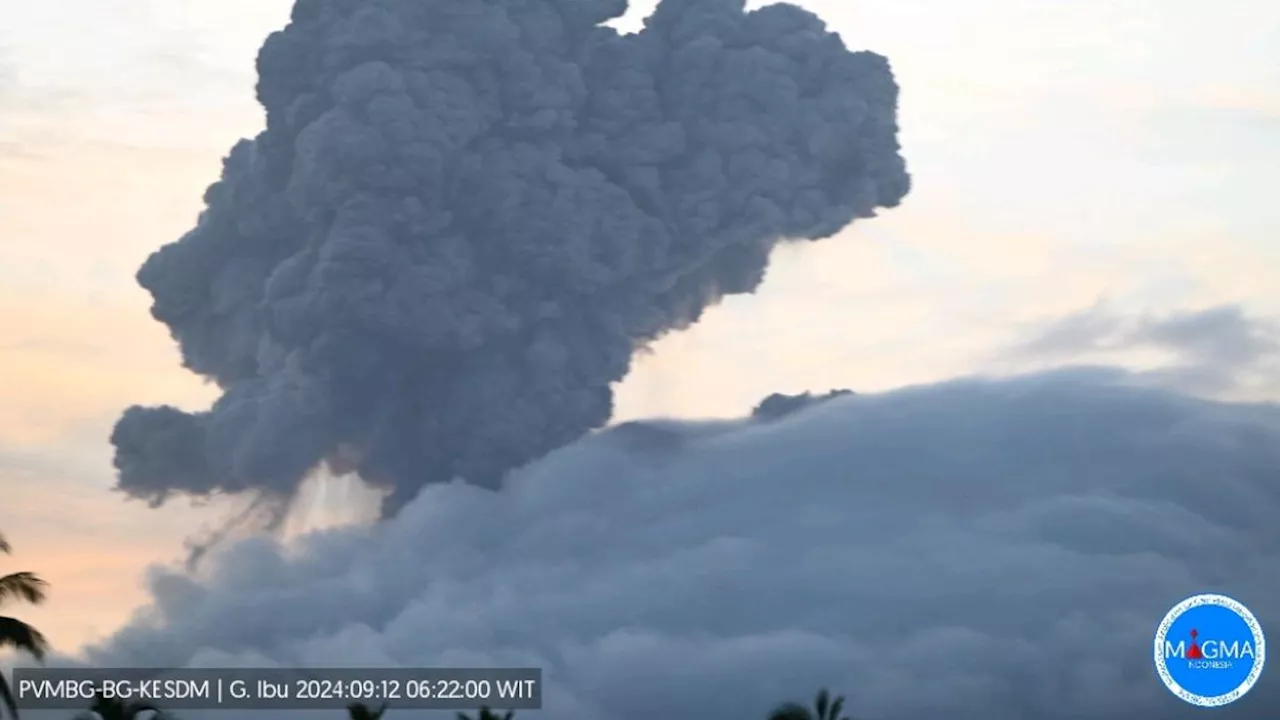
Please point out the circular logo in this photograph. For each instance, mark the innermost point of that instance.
(1210, 650)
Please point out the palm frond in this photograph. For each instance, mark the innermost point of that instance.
(5, 547)
(360, 711)
(25, 585)
(6, 696)
(133, 710)
(791, 711)
(116, 709)
(837, 707)
(822, 704)
(108, 708)
(20, 636)
(486, 713)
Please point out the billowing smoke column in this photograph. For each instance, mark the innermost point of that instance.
(465, 215)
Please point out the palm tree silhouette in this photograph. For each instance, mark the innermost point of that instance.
(824, 708)
(13, 632)
(487, 714)
(360, 711)
(114, 709)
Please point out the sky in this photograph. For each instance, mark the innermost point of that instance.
(1092, 183)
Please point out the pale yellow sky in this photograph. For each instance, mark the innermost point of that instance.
(1125, 151)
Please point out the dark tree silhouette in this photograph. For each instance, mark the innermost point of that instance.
(487, 714)
(360, 711)
(115, 709)
(824, 708)
(13, 632)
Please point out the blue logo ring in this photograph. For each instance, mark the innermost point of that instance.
(1215, 673)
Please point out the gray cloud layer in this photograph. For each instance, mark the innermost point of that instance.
(463, 217)
(1212, 350)
(978, 549)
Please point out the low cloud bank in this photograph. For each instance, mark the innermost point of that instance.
(973, 549)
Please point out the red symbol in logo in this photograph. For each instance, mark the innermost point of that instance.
(1193, 652)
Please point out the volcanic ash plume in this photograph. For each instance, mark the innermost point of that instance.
(465, 215)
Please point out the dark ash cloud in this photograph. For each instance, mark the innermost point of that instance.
(464, 217)
(780, 405)
(977, 549)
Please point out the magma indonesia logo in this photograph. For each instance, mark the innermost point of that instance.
(1210, 650)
